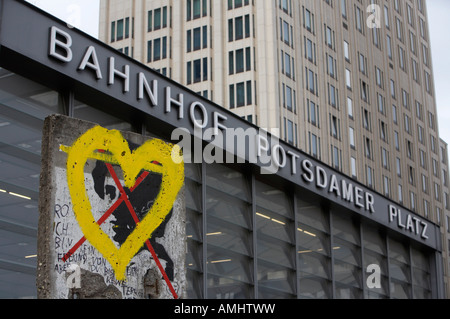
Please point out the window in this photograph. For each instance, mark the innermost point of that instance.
(384, 158)
(239, 61)
(359, 19)
(369, 176)
(412, 42)
(362, 63)
(285, 36)
(428, 82)
(197, 39)
(350, 107)
(415, 70)
(386, 17)
(366, 120)
(247, 26)
(348, 78)
(386, 186)
(392, 87)
(311, 81)
(405, 99)
(331, 66)
(196, 9)
(423, 32)
(25, 106)
(119, 29)
(379, 77)
(407, 124)
(344, 8)
(310, 50)
(409, 149)
(313, 113)
(290, 132)
(189, 40)
(314, 145)
(288, 98)
(329, 37)
(156, 49)
(364, 91)
(346, 51)
(197, 71)
(332, 95)
(383, 131)
(401, 58)
(394, 114)
(389, 46)
(425, 55)
(351, 137)
(240, 94)
(336, 153)
(230, 30)
(113, 31)
(398, 165)
(353, 166)
(239, 28)
(380, 102)
(157, 19)
(400, 193)
(396, 141)
(308, 20)
(287, 65)
(335, 127)
(368, 148)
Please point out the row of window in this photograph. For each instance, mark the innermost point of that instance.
(157, 19)
(238, 28)
(234, 4)
(239, 61)
(197, 39)
(157, 49)
(302, 250)
(240, 94)
(120, 29)
(196, 9)
(197, 71)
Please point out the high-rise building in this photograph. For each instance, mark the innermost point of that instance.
(349, 82)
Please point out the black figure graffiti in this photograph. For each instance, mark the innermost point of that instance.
(141, 198)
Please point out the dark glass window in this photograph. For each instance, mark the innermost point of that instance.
(24, 105)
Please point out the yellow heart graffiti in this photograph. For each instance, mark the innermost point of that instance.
(117, 151)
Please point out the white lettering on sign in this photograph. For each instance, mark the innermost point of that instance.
(408, 222)
(343, 189)
(60, 49)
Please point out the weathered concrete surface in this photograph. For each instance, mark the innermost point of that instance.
(60, 229)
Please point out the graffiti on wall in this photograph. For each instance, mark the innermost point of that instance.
(122, 198)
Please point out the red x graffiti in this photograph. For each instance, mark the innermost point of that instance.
(124, 198)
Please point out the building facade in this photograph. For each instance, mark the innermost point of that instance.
(308, 230)
(350, 82)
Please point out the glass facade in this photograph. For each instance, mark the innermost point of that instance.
(266, 242)
(247, 237)
(23, 107)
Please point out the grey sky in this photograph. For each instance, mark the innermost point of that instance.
(84, 15)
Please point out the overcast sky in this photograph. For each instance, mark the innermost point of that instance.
(84, 15)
